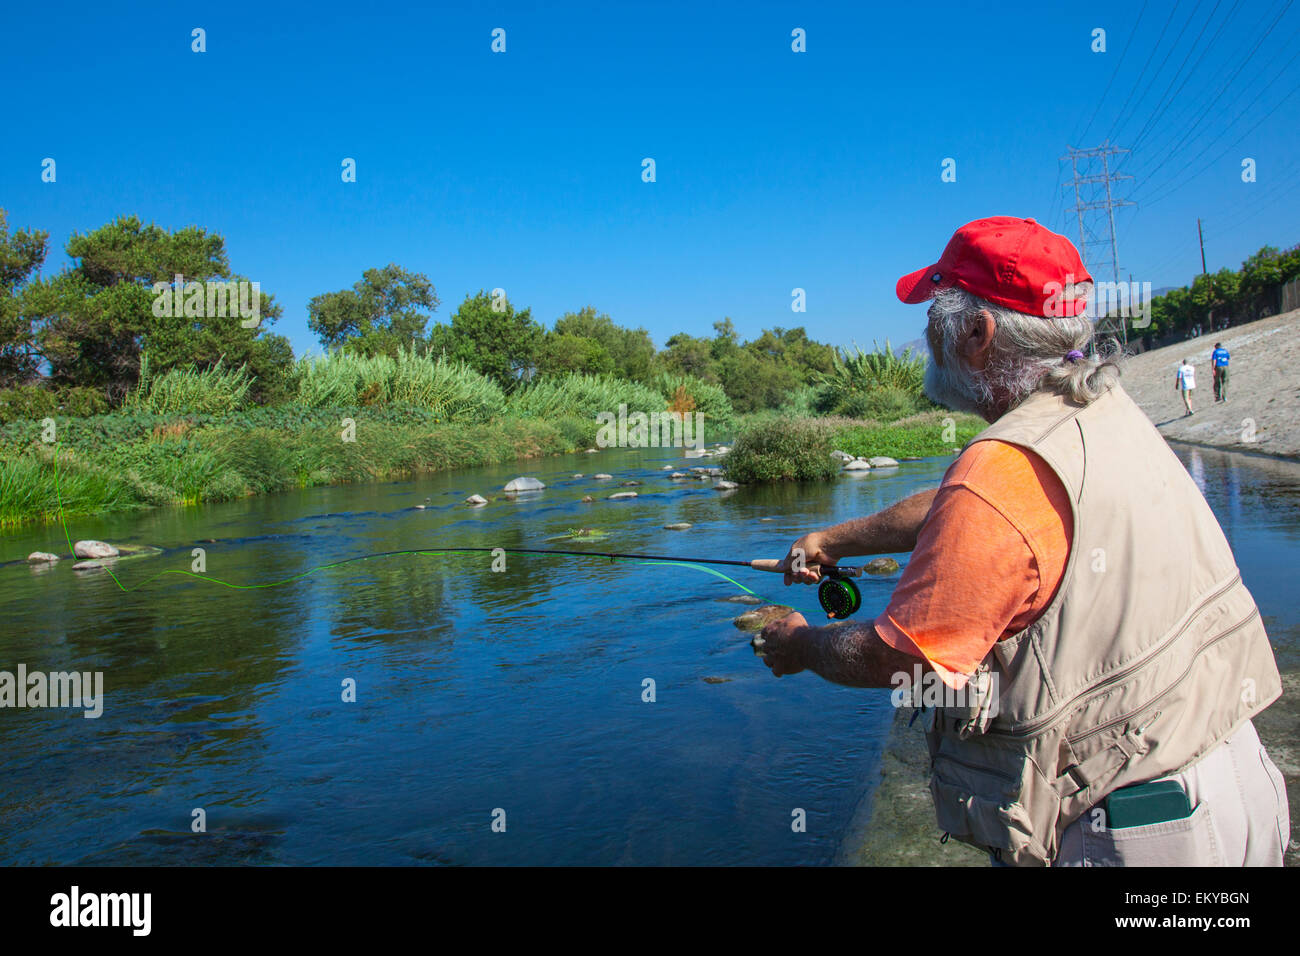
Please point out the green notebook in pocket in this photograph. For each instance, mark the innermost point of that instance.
(1158, 801)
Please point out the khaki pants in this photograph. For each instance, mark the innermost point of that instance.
(1239, 817)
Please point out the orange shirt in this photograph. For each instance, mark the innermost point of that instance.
(987, 562)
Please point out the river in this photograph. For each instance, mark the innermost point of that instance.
(515, 698)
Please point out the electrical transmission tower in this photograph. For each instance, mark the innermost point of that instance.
(1093, 195)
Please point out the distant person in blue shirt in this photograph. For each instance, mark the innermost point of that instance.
(1220, 358)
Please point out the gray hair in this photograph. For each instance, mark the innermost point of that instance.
(1028, 353)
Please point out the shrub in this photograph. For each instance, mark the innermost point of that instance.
(584, 396)
(857, 373)
(214, 391)
(452, 391)
(782, 450)
(686, 393)
(887, 403)
(38, 401)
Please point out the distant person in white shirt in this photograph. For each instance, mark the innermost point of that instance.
(1185, 381)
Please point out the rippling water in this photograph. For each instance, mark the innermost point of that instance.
(475, 691)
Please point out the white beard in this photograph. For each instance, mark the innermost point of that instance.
(951, 389)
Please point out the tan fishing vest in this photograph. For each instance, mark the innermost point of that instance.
(1150, 654)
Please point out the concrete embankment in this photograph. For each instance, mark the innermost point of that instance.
(1262, 414)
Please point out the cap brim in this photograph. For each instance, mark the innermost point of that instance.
(918, 286)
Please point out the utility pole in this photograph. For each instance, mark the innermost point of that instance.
(1100, 183)
(1205, 272)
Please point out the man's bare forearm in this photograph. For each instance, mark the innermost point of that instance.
(891, 531)
(854, 656)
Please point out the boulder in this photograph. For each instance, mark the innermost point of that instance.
(524, 484)
(678, 475)
(880, 566)
(841, 455)
(882, 461)
(476, 500)
(622, 494)
(91, 565)
(577, 476)
(94, 549)
(725, 486)
(603, 477)
(590, 451)
(628, 484)
(41, 557)
(761, 617)
(857, 464)
(587, 499)
(666, 468)
(743, 599)
(679, 526)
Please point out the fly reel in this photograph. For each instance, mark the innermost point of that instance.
(838, 596)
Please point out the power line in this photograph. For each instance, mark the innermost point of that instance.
(1169, 154)
(1174, 187)
(1167, 100)
(1150, 56)
(1204, 110)
(1080, 137)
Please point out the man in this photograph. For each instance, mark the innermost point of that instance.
(1185, 382)
(1068, 585)
(1220, 358)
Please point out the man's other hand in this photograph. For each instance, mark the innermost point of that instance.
(782, 644)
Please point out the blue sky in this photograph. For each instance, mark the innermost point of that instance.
(775, 170)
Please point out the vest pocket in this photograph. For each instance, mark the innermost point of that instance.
(980, 805)
(1191, 841)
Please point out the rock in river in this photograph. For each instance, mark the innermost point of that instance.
(679, 526)
(94, 549)
(476, 500)
(603, 477)
(881, 566)
(725, 486)
(882, 461)
(44, 557)
(761, 617)
(857, 464)
(622, 494)
(524, 484)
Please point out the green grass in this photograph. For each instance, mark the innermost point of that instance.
(924, 435)
(27, 489)
(126, 462)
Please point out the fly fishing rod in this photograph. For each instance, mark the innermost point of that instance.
(837, 594)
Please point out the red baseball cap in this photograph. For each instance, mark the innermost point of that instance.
(1012, 262)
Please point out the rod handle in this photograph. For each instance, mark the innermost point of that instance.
(840, 571)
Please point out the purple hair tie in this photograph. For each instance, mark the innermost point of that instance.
(1073, 355)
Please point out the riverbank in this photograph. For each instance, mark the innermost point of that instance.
(896, 825)
(118, 462)
(123, 462)
(1262, 415)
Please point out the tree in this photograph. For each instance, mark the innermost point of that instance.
(95, 318)
(561, 353)
(689, 355)
(20, 255)
(500, 344)
(631, 350)
(383, 313)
